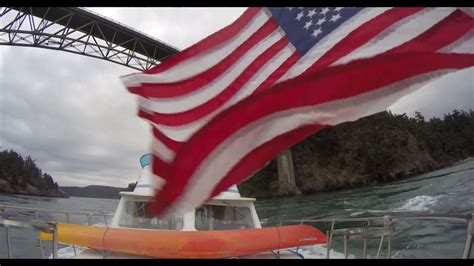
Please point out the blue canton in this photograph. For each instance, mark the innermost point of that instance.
(306, 26)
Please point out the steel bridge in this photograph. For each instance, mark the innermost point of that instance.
(81, 31)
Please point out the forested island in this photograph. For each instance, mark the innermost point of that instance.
(375, 149)
(20, 175)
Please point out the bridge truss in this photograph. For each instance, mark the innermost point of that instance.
(80, 31)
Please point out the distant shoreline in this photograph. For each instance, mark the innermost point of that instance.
(33, 195)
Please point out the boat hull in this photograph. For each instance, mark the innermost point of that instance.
(187, 244)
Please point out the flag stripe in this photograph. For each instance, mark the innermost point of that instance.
(252, 109)
(170, 143)
(182, 133)
(256, 159)
(212, 89)
(440, 35)
(182, 87)
(401, 32)
(160, 168)
(278, 73)
(162, 151)
(209, 42)
(463, 45)
(199, 63)
(177, 119)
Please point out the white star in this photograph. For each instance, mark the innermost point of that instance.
(308, 24)
(290, 8)
(321, 21)
(299, 16)
(300, 8)
(324, 11)
(338, 9)
(334, 18)
(316, 32)
(311, 13)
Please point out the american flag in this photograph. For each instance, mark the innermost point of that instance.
(223, 108)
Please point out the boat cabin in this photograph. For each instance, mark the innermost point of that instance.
(227, 211)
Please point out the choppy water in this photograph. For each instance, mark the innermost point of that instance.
(445, 191)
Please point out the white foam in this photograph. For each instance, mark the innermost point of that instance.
(320, 252)
(419, 203)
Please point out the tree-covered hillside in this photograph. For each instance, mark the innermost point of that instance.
(20, 175)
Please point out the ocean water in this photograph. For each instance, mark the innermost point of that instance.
(446, 191)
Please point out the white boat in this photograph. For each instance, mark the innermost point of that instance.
(227, 211)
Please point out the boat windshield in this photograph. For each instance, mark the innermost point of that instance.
(217, 217)
(136, 214)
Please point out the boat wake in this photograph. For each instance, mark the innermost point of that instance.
(320, 252)
(419, 203)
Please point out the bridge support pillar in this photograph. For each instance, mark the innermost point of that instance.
(286, 171)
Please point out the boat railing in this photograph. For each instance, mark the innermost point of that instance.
(35, 213)
(46, 227)
(383, 227)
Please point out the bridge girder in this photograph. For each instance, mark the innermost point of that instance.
(79, 31)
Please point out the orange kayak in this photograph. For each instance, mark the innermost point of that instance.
(187, 244)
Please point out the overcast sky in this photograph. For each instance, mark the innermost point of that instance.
(75, 118)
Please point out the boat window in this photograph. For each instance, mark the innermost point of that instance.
(137, 215)
(216, 217)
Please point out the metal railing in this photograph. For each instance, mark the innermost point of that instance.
(34, 213)
(46, 227)
(374, 229)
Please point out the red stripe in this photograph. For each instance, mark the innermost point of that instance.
(276, 75)
(333, 83)
(174, 89)
(170, 143)
(209, 42)
(363, 34)
(440, 35)
(160, 168)
(256, 159)
(178, 119)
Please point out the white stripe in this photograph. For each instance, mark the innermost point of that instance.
(210, 90)
(468, 10)
(329, 41)
(399, 33)
(465, 44)
(162, 151)
(199, 63)
(183, 133)
(231, 151)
